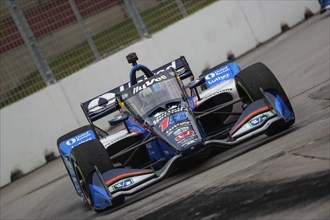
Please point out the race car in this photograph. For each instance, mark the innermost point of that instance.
(167, 119)
(325, 5)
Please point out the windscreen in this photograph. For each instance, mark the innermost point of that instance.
(158, 94)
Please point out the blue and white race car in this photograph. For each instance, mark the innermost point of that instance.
(166, 121)
(325, 5)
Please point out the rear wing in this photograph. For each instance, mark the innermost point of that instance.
(180, 65)
(105, 103)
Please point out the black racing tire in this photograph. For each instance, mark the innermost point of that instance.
(256, 76)
(68, 136)
(118, 201)
(89, 154)
(84, 157)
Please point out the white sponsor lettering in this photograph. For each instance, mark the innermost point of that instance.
(176, 126)
(180, 130)
(161, 115)
(218, 92)
(124, 183)
(148, 83)
(219, 78)
(217, 72)
(79, 139)
(189, 142)
(82, 136)
(173, 65)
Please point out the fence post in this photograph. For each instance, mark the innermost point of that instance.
(86, 30)
(137, 20)
(181, 7)
(30, 42)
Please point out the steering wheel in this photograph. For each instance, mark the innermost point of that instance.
(147, 72)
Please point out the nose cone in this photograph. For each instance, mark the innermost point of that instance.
(178, 128)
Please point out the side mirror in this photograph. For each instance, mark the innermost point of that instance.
(119, 119)
(194, 84)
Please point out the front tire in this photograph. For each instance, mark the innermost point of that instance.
(65, 157)
(258, 75)
(84, 157)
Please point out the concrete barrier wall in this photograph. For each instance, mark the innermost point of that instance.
(30, 127)
(265, 17)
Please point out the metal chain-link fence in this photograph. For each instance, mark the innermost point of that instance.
(43, 41)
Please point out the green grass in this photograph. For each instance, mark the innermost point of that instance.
(107, 42)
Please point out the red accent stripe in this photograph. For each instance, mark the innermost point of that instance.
(135, 132)
(109, 182)
(195, 101)
(248, 117)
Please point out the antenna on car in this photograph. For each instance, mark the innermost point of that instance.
(132, 58)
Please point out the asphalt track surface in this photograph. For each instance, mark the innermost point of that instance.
(281, 177)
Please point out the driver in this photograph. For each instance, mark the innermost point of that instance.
(149, 96)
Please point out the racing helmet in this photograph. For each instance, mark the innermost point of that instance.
(147, 97)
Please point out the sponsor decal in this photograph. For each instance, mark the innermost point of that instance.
(161, 115)
(189, 142)
(80, 138)
(173, 65)
(67, 145)
(218, 75)
(109, 143)
(173, 119)
(217, 72)
(122, 184)
(71, 141)
(218, 92)
(184, 134)
(100, 102)
(180, 130)
(176, 126)
(164, 124)
(148, 83)
(218, 79)
(258, 120)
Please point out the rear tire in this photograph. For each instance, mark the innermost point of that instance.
(256, 76)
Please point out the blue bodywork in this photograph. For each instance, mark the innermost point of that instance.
(221, 74)
(99, 195)
(156, 149)
(325, 4)
(278, 104)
